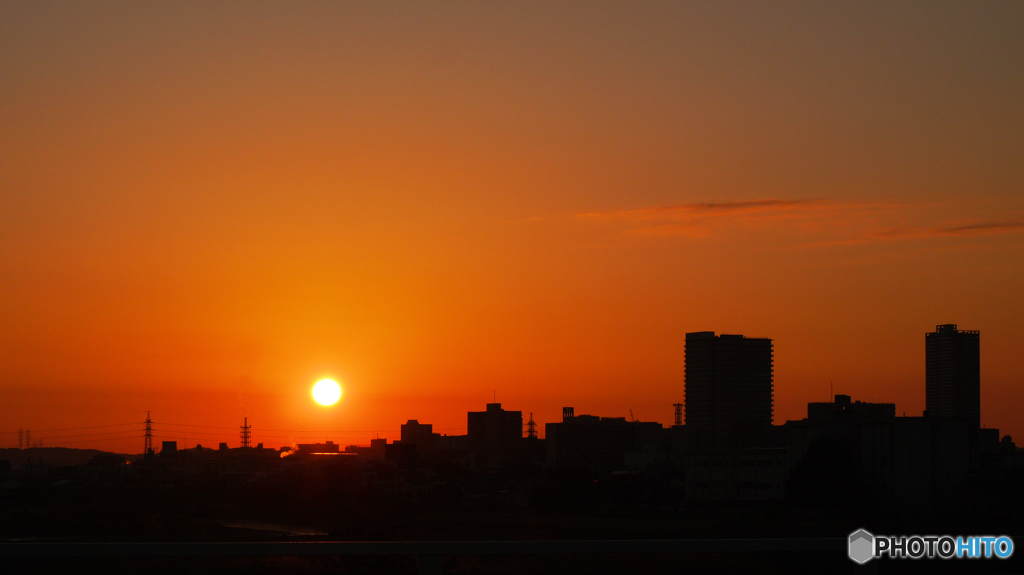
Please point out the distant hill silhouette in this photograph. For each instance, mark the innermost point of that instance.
(54, 456)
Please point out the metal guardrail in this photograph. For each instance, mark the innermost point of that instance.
(430, 552)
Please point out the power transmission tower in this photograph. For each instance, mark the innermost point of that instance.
(149, 435)
(531, 428)
(246, 433)
(679, 413)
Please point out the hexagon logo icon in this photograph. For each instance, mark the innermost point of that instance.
(861, 546)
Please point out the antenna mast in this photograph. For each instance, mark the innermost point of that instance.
(531, 428)
(149, 435)
(246, 433)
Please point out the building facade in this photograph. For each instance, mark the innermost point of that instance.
(602, 443)
(495, 436)
(953, 373)
(729, 389)
(421, 435)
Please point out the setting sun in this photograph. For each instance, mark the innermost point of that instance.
(326, 392)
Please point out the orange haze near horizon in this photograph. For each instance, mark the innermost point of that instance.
(205, 209)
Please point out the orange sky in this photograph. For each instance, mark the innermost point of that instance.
(206, 208)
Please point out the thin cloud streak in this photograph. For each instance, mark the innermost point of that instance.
(910, 234)
(846, 223)
(749, 205)
(982, 228)
(676, 210)
(704, 219)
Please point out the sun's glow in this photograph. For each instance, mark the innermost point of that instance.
(326, 392)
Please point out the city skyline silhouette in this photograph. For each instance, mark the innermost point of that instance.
(706, 405)
(712, 286)
(207, 209)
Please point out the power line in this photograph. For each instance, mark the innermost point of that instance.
(148, 443)
(79, 428)
(293, 434)
(259, 429)
(255, 434)
(246, 433)
(336, 430)
(86, 434)
(285, 430)
(181, 432)
(190, 425)
(62, 443)
(302, 431)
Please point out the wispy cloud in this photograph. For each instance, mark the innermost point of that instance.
(974, 229)
(803, 222)
(673, 211)
(684, 230)
(1004, 227)
(749, 205)
(704, 219)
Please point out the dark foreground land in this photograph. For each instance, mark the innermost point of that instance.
(336, 501)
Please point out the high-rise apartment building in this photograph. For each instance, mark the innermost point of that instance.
(728, 389)
(953, 373)
(495, 436)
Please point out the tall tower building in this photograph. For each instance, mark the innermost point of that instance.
(729, 395)
(953, 373)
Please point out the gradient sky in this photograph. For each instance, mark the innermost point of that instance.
(206, 207)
